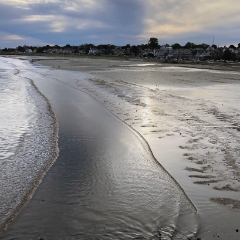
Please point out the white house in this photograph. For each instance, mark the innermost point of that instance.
(93, 51)
(163, 52)
(28, 50)
(182, 54)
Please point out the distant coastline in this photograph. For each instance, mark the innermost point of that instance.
(214, 65)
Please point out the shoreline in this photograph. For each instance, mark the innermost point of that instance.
(212, 65)
(199, 180)
(53, 154)
(132, 167)
(99, 82)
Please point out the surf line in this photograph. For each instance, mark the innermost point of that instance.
(43, 171)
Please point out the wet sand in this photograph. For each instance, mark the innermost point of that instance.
(190, 117)
(28, 141)
(105, 184)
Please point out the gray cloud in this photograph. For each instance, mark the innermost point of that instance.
(61, 22)
(118, 21)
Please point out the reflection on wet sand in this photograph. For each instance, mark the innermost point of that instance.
(190, 117)
(105, 183)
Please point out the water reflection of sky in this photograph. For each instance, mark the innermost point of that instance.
(105, 181)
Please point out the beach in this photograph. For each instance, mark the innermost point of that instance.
(28, 140)
(188, 115)
(190, 118)
(105, 182)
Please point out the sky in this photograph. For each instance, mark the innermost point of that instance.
(118, 22)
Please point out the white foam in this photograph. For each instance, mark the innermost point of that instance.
(26, 135)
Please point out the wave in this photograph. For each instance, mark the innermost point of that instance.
(29, 133)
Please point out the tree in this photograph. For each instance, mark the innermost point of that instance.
(232, 46)
(143, 46)
(49, 47)
(135, 50)
(227, 55)
(111, 46)
(214, 46)
(239, 45)
(21, 49)
(75, 49)
(153, 42)
(176, 46)
(88, 46)
(188, 45)
(203, 45)
(68, 46)
(40, 50)
(150, 55)
(81, 47)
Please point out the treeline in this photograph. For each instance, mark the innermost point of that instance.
(109, 47)
(134, 50)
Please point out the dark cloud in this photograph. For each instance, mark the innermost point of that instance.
(120, 21)
(113, 21)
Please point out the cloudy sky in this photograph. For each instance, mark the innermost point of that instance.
(119, 22)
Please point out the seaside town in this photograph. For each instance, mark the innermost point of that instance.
(152, 49)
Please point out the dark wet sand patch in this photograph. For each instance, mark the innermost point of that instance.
(194, 140)
(200, 162)
(158, 131)
(201, 176)
(231, 203)
(184, 147)
(148, 125)
(194, 159)
(194, 170)
(226, 188)
(206, 182)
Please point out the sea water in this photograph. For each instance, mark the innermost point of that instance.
(28, 134)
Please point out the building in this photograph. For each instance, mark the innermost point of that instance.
(185, 54)
(93, 51)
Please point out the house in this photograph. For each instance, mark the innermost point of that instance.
(147, 52)
(118, 51)
(82, 51)
(182, 53)
(28, 50)
(127, 51)
(67, 51)
(93, 51)
(164, 52)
